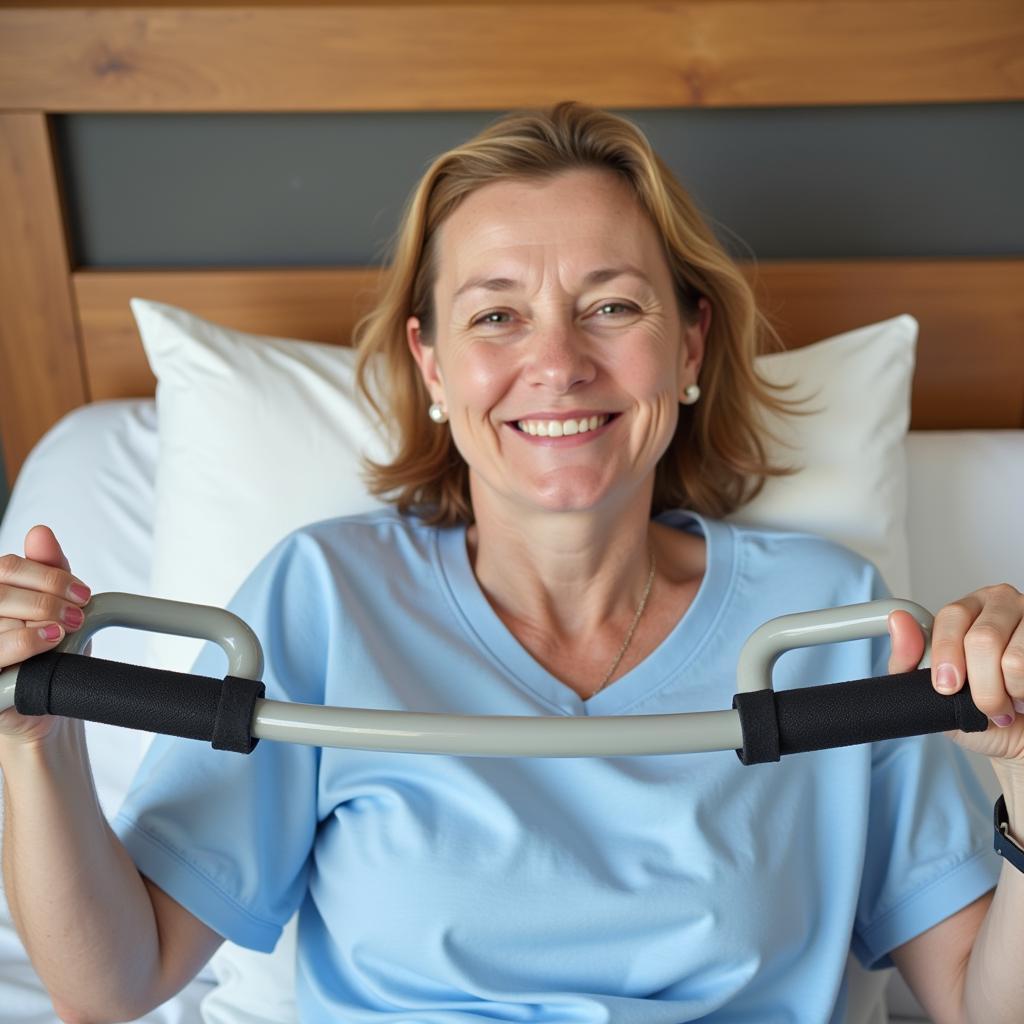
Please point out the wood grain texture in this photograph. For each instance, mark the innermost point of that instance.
(311, 305)
(40, 362)
(971, 351)
(970, 356)
(492, 56)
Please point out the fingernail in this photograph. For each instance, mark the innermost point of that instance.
(1003, 720)
(947, 679)
(1018, 706)
(74, 617)
(51, 632)
(79, 592)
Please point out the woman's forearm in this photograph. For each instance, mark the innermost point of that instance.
(994, 984)
(76, 897)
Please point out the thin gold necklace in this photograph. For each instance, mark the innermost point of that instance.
(631, 630)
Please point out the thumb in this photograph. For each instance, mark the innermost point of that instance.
(907, 642)
(41, 545)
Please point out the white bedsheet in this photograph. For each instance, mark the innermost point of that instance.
(91, 479)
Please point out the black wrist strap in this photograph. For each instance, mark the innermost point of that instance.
(1004, 845)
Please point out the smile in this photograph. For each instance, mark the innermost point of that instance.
(562, 428)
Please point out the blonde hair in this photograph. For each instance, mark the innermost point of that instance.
(716, 461)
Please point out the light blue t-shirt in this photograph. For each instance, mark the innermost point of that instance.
(637, 890)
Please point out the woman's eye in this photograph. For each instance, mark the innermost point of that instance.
(613, 308)
(496, 316)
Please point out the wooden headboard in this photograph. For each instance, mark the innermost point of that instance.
(66, 336)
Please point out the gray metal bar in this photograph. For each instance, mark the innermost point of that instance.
(497, 735)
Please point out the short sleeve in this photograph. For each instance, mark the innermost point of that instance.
(227, 835)
(929, 843)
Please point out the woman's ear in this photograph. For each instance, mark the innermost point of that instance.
(694, 339)
(425, 355)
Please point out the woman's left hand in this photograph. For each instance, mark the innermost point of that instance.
(980, 638)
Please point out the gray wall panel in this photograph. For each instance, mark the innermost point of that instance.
(856, 182)
(242, 190)
(245, 190)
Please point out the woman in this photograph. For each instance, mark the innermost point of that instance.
(565, 356)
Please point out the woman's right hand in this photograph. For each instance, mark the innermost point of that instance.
(37, 606)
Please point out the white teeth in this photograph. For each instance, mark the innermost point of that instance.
(561, 428)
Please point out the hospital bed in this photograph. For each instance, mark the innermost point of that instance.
(79, 425)
(106, 455)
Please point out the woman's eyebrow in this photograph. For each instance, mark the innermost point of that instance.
(490, 284)
(609, 273)
(507, 284)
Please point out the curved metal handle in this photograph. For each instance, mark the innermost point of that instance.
(178, 618)
(827, 626)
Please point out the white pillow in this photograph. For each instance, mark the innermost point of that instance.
(257, 436)
(853, 487)
(260, 435)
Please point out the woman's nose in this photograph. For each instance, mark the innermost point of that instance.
(559, 358)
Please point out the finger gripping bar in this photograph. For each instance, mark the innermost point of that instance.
(841, 714)
(173, 703)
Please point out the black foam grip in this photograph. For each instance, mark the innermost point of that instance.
(172, 703)
(862, 711)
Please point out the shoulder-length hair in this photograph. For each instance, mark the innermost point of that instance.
(715, 462)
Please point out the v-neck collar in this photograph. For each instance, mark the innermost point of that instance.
(668, 660)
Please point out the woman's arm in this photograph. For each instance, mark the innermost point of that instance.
(934, 963)
(107, 943)
(995, 981)
(967, 969)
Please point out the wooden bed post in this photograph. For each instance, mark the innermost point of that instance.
(41, 374)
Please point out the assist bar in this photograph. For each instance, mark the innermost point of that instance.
(233, 714)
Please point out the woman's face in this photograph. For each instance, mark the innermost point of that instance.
(559, 353)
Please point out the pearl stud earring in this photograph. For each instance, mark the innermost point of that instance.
(437, 413)
(691, 394)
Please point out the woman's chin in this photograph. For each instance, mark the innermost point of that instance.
(577, 489)
(571, 492)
